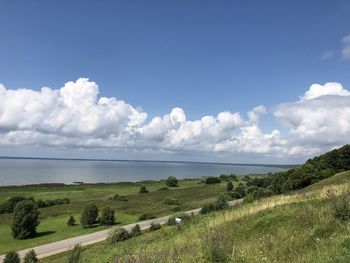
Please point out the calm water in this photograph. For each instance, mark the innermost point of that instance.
(34, 171)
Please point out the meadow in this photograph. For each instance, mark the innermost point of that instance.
(191, 193)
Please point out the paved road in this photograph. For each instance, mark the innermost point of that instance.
(67, 244)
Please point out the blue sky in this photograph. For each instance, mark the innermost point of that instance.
(205, 57)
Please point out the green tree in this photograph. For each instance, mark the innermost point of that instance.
(12, 257)
(229, 187)
(171, 181)
(143, 190)
(107, 217)
(240, 189)
(71, 221)
(30, 257)
(89, 215)
(25, 220)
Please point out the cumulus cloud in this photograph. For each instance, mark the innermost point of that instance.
(75, 115)
(321, 117)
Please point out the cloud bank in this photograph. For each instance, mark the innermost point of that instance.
(75, 115)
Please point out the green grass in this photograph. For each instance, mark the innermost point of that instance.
(190, 193)
(288, 228)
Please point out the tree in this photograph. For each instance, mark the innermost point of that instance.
(143, 190)
(25, 220)
(107, 217)
(12, 257)
(89, 215)
(212, 180)
(117, 235)
(171, 181)
(30, 257)
(229, 187)
(71, 221)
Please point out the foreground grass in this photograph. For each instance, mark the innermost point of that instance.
(190, 193)
(291, 228)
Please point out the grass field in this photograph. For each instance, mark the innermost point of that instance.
(299, 227)
(190, 193)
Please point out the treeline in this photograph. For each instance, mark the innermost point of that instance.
(312, 171)
(9, 205)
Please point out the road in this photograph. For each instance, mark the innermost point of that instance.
(67, 244)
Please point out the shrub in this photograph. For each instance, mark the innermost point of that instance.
(114, 197)
(74, 254)
(171, 181)
(171, 201)
(89, 215)
(229, 187)
(340, 205)
(107, 217)
(143, 190)
(212, 180)
(176, 208)
(224, 177)
(234, 177)
(9, 205)
(208, 208)
(122, 198)
(25, 220)
(30, 257)
(59, 201)
(117, 234)
(135, 230)
(163, 189)
(12, 257)
(154, 226)
(146, 216)
(234, 195)
(240, 189)
(71, 221)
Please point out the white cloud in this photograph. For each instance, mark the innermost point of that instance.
(76, 116)
(327, 55)
(321, 117)
(346, 48)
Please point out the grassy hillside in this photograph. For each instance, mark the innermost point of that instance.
(299, 227)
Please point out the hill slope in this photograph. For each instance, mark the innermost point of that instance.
(300, 227)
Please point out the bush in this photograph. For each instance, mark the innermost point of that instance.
(171, 201)
(146, 216)
(224, 177)
(340, 205)
(219, 204)
(89, 215)
(9, 205)
(234, 195)
(122, 198)
(229, 187)
(30, 257)
(107, 217)
(135, 230)
(171, 181)
(71, 221)
(48, 203)
(143, 190)
(234, 177)
(154, 226)
(114, 197)
(212, 180)
(240, 189)
(176, 208)
(117, 234)
(74, 254)
(12, 257)
(25, 220)
(163, 189)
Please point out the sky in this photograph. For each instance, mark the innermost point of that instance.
(230, 81)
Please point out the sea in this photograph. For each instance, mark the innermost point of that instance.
(24, 171)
